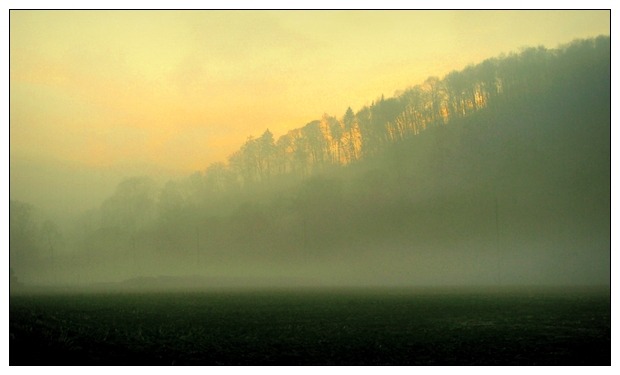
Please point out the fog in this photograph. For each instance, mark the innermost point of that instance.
(496, 174)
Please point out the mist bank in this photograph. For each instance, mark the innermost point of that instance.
(496, 175)
(199, 285)
(62, 191)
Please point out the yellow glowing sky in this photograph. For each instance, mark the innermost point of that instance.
(99, 90)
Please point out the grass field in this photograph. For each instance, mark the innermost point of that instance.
(381, 326)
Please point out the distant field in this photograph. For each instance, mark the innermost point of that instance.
(527, 326)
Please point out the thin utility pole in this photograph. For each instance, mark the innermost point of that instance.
(53, 265)
(51, 245)
(499, 268)
(197, 250)
(89, 272)
(135, 266)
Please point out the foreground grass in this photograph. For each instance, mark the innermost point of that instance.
(314, 327)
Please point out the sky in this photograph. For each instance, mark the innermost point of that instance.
(97, 96)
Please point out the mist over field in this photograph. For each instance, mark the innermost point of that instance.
(493, 174)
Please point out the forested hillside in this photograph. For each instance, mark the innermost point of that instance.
(499, 173)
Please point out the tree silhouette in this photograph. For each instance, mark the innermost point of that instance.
(317, 144)
(434, 99)
(22, 235)
(131, 208)
(349, 124)
(267, 153)
(52, 238)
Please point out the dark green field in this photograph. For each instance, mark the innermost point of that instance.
(457, 326)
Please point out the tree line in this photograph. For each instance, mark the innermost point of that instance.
(337, 141)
